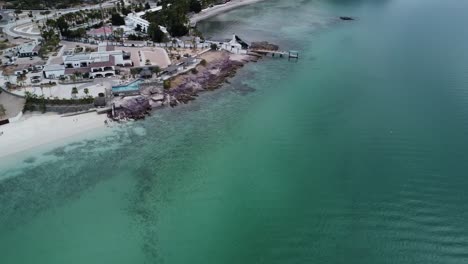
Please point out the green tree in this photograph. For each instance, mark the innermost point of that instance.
(155, 33)
(117, 20)
(118, 33)
(178, 30)
(86, 91)
(62, 26)
(147, 6)
(155, 69)
(77, 75)
(125, 11)
(195, 6)
(74, 91)
(167, 84)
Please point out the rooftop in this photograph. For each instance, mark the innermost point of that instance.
(28, 48)
(108, 63)
(70, 71)
(100, 31)
(54, 67)
(77, 57)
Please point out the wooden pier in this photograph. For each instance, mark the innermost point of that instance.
(292, 54)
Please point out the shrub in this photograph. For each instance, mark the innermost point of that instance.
(155, 69)
(213, 46)
(203, 62)
(167, 84)
(194, 71)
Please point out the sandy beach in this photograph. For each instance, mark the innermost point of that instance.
(36, 129)
(218, 9)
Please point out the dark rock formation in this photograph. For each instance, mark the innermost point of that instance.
(263, 45)
(346, 18)
(208, 79)
(133, 108)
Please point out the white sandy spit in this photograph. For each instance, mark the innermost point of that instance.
(218, 9)
(34, 130)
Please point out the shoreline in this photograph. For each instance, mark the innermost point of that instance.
(220, 66)
(219, 9)
(36, 129)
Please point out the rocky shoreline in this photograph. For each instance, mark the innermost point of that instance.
(214, 71)
(208, 78)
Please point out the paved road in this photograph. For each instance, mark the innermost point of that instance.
(9, 29)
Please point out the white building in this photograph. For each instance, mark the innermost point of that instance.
(234, 45)
(97, 64)
(28, 50)
(53, 71)
(134, 19)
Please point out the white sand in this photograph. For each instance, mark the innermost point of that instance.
(218, 9)
(34, 130)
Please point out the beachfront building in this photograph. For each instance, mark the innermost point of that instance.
(103, 68)
(97, 64)
(234, 45)
(104, 54)
(53, 71)
(116, 58)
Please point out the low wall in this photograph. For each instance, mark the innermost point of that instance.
(76, 82)
(10, 93)
(4, 122)
(63, 109)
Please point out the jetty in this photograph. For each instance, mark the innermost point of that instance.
(291, 54)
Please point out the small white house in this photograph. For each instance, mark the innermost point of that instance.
(235, 45)
(53, 71)
(28, 50)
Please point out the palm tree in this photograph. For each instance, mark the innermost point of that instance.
(74, 91)
(119, 34)
(2, 111)
(86, 91)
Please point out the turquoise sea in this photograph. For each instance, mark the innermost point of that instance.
(356, 153)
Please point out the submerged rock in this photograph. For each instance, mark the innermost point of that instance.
(244, 89)
(346, 18)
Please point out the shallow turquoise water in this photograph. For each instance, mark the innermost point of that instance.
(354, 154)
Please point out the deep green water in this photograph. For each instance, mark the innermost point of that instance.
(357, 153)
